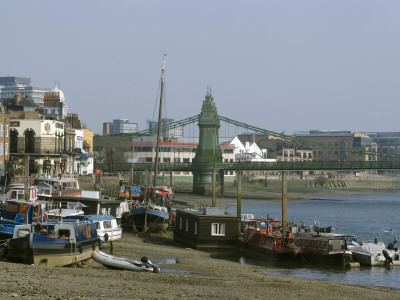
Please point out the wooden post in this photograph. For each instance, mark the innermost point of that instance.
(145, 199)
(111, 248)
(26, 182)
(284, 202)
(221, 183)
(214, 187)
(239, 196)
(130, 184)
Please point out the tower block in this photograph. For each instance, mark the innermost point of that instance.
(208, 153)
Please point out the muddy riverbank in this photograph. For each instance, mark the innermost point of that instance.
(192, 275)
(185, 273)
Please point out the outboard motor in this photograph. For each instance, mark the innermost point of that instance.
(389, 260)
(146, 260)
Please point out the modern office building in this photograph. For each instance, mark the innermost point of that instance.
(119, 126)
(10, 85)
(176, 132)
(387, 143)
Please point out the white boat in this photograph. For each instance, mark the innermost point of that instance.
(17, 192)
(62, 209)
(375, 254)
(107, 227)
(114, 262)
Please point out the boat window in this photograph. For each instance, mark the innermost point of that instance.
(187, 225)
(64, 233)
(11, 207)
(195, 227)
(218, 229)
(35, 212)
(23, 232)
(107, 224)
(97, 225)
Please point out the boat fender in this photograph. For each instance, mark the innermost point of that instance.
(106, 237)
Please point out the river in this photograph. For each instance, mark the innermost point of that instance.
(365, 216)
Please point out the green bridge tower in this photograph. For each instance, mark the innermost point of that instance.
(208, 151)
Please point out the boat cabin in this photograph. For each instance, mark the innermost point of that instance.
(107, 227)
(17, 192)
(208, 228)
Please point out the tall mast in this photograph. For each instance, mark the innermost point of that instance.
(159, 120)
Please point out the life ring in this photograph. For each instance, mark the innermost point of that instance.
(45, 216)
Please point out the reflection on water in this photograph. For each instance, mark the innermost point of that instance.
(366, 216)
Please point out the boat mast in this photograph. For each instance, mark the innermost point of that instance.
(159, 121)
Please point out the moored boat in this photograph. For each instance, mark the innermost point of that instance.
(53, 243)
(17, 192)
(375, 254)
(107, 227)
(264, 236)
(51, 186)
(153, 216)
(323, 248)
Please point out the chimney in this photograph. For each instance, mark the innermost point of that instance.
(17, 98)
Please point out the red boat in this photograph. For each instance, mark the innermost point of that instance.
(267, 240)
(325, 248)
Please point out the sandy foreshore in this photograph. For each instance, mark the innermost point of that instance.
(195, 275)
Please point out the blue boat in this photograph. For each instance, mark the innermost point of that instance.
(155, 217)
(17, 212)
(53, 243)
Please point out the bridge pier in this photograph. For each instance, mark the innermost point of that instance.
(208, 151)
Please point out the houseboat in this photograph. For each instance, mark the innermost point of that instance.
(208, 228)
(324, 248)
(53, 243)
(263, 237)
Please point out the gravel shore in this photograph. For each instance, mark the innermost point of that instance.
(191, 275)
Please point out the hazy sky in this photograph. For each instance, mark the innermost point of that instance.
(278, 65)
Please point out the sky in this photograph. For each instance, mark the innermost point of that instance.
(278, 65)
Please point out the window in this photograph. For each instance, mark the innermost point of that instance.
(6, 130)
(1, 129)
(6, 150)
(218, 229)
(187, 224)
(180, 223)
(195, 227)
(1, 148)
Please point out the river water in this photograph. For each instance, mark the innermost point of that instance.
(365, 216)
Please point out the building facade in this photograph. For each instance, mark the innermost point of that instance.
(4, 141)
(342, 145)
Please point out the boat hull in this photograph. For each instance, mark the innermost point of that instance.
(369, 254)
(156, 219)
(269, 246)
(49, 253)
